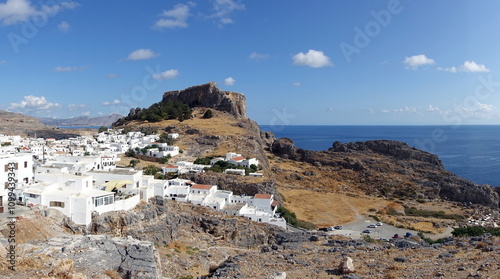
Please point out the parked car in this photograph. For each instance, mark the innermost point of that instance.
(338, 227)
(367, 231)
(384, 239)
(372, 226)
(323, 229)
(379, 224)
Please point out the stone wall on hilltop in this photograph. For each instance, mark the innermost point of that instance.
(210, 96)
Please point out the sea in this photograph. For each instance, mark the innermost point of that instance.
(79, 127)
(470, 151)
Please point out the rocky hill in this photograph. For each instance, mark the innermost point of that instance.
(19, 124)
(106, 120)
(210, 96)
(390, 169)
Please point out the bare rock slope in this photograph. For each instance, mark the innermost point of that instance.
(210, 96)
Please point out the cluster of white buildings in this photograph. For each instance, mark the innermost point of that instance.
(79, 178)
(231, 157)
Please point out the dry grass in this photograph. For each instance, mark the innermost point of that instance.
(221, 124)
(327, 208)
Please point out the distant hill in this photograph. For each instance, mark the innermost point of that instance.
(23, 125)
(82, 120)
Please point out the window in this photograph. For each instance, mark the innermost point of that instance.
(103, 200)
(99, 202)
(32, 196)
(108, 200)
(6, 185)
(56, 204)
(25, 164)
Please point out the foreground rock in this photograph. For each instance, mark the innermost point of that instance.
(346, 266)
(90, 256)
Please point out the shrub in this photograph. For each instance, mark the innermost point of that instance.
(151, 170)
(412, 211)
(208, 114)
(475, 231)
(291, 218)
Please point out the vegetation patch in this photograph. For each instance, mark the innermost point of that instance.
(291, 218)
(413, 211)
(475, 231)
(158, 112)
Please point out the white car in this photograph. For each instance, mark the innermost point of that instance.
(379, 224)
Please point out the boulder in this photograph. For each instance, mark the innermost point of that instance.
(346, 266)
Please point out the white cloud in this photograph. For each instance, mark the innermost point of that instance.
(229, 81)
(63, 26)
(480, 111)
(258, 56)
(433, 108)
(33, 103)
(69, 69)
(141, 54)
(416, 61)
(468, 67)
(70, 5)
(113, 103)
(175, 18)
(473, 67)
(297, 84)
(449, 69)
(224, 10)
(16, 11)
(73, 107)
(87, 113)
(169, 74)
(313, 58)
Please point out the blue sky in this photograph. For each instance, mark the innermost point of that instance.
(315, 62)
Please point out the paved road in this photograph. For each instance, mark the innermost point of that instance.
(355, 229)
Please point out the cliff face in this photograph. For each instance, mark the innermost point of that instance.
(210, 96)
(391, 169)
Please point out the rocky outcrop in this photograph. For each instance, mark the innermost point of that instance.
(163, 221)
(210, 96)
(395, 149)
(381, 166)
(90, 255)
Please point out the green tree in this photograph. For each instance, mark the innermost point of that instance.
(208, 114)
(102, 129)
(165, 159)
(130, 153)
(134, 162)
(151, 170)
